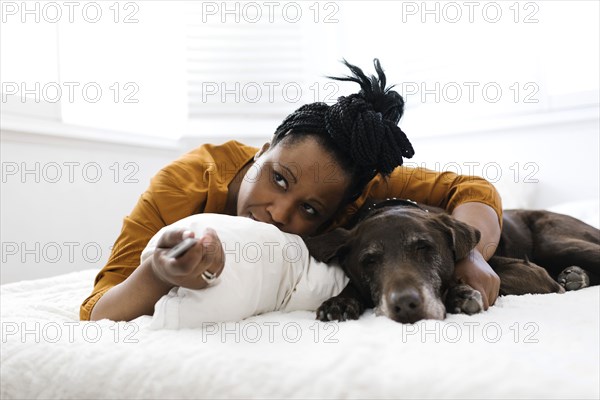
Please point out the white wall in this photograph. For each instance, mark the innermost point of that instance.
(542, 165)
(40, 218)
(54, 224)
(45, 217)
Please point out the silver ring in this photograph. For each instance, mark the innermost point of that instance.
(210, 278)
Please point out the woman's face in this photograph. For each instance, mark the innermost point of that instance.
(296, 187)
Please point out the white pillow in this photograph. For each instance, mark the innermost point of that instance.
(265, 270)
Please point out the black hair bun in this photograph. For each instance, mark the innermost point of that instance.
(365, 125)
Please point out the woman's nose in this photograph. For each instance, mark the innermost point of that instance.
(280, 213)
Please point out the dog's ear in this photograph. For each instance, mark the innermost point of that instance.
(329, 245)
(464, 237)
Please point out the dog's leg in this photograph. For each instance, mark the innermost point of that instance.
(345, 306)
(574, 262)
(523, 276)
(567, 247)
(463, 299)
(574, 278)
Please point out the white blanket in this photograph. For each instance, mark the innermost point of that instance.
(533, 346)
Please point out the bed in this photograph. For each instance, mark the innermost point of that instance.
(532, 346)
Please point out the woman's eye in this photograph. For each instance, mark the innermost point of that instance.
(310, 209)
(279, 180)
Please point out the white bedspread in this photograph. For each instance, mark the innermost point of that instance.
(534, 346)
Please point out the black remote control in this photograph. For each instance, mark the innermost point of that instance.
(182, 247)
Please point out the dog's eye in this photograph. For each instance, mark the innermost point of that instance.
(370, 260)
(422, 245)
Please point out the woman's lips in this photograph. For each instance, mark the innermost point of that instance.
(265, 217)
(251, 216)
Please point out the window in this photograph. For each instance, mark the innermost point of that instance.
(516, 63)
(171, 69)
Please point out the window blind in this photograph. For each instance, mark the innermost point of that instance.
(243, 70)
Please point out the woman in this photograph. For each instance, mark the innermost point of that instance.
(320, 166)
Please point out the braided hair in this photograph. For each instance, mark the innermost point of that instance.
(360, 131)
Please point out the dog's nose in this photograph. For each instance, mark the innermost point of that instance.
(405, 305)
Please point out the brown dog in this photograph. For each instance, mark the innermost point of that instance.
(400, 260)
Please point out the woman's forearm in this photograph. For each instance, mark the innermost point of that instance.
(133, 297)
(474, 269)
(485, 219)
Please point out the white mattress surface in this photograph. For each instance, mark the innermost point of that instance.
(533, 346)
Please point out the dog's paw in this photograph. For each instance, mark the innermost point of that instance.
(573, 278)
(463, 298)
(340, 309)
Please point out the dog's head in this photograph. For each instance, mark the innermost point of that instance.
(400, 258)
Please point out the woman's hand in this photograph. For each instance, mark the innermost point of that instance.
(186, 271)
(477, 273)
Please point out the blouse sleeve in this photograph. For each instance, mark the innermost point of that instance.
(439, 189)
